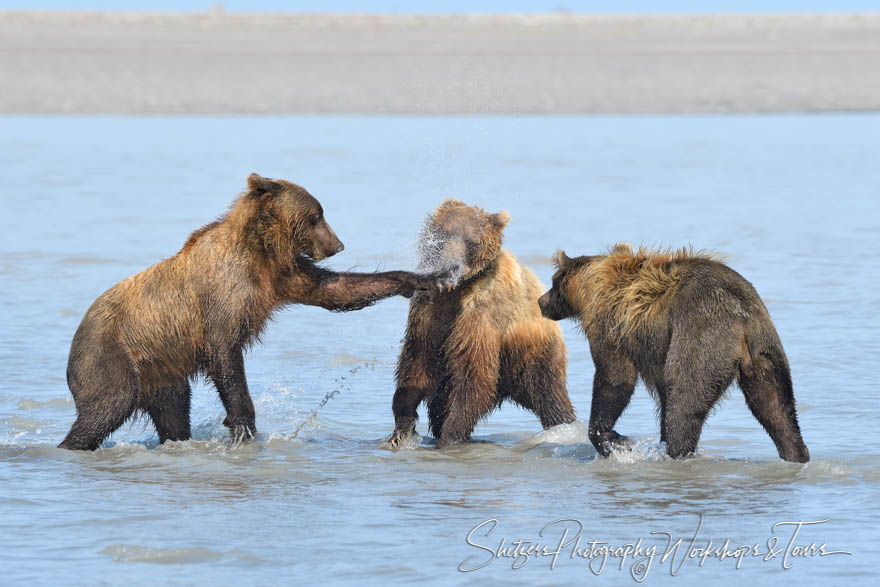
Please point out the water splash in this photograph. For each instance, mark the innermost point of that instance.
(639, 450)
(442, 252)
(562, 434)
(313, 415)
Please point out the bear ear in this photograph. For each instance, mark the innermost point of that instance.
(622, 248)
(560, 259)
(500, 219)
(259, 185)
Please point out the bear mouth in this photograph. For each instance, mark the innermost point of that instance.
(317, 255)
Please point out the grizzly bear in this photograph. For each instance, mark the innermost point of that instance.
(144, 339)
(689, 326)
(468, 349)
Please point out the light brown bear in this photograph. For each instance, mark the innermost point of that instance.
(467, 350)
(142, 340)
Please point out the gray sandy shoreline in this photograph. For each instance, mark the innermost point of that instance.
(231, 63)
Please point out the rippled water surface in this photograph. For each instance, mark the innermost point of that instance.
(790, 201)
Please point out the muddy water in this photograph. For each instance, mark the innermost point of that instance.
(790, 201)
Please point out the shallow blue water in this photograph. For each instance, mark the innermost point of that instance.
(790, 201)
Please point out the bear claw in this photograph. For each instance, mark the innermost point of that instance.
(398, 438)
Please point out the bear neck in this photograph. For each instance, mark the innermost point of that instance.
(481, 273)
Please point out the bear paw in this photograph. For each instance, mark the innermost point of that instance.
(241, 433)
(399, 438)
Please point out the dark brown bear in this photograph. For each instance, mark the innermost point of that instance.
(688, 326)
(142, 340)
(485, 341)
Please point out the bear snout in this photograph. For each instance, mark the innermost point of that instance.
(326, 242)
(544, 304)
(329, 250)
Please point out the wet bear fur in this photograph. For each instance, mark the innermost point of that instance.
(469, 349)
(689, 326)
(143, 340)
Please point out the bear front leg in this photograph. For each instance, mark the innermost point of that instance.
(405, 406)
(472, 388)
(227, 374)
(661, 399)
(413, 387)
(415, 376)
(344, 292)
(613, 386)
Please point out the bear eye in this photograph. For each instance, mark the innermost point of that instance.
(315, 219)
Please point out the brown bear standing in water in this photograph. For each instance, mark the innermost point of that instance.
(689, 326)
(142, 340)
(469, 349)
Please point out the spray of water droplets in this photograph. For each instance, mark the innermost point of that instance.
(313, 416)
(442, 252)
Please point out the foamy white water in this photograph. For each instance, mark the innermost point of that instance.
(791, 201)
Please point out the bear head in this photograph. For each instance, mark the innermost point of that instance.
(567, 293)
(556, 304)
(290, 220)
(460, 239)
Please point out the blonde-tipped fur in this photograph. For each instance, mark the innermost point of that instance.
(631, 287)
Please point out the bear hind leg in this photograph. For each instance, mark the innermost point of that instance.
(438, 410)
(538, 385)
(470, 392)
(91, 428)
(459, 424)
(104, 403)
(685, 410)
(685, 415)
(170, 412)
(698, 368)
(768, 391)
